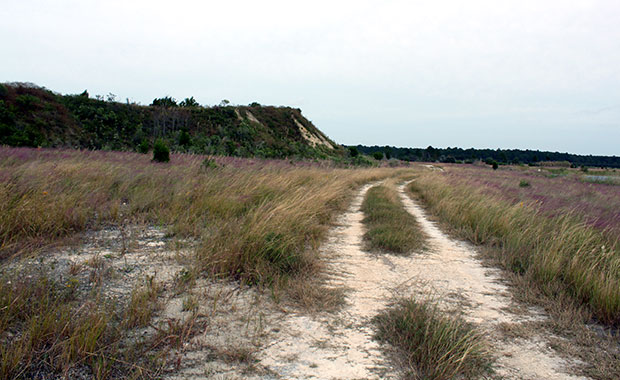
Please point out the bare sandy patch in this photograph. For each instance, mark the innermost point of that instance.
(252, 118)
(312, 138)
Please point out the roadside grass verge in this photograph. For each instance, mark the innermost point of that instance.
(435, 346)
(561, 263)
(557, 253)
(389, 226)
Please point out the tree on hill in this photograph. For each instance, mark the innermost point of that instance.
(189, 102)
(166, 102)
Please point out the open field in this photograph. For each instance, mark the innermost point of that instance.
(277, 213)
(554, 229)
(113, 266)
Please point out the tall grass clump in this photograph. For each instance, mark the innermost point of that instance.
(279, 234)
(389, 226)
(557, 253)
(436, 346)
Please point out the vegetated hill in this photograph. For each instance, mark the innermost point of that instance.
(34, 116)
(502, 156)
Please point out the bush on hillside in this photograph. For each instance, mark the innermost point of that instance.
(378, 155)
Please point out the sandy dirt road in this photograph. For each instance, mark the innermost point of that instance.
(341, 345)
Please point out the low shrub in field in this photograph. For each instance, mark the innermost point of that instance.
(436, 346)
(184, 139)
(161, 152)
(389, 226)
(524, 183)
(559, 253)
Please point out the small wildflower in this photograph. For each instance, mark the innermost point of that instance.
(45, 193)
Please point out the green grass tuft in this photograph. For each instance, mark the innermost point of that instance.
(389, 226)
(436, 346)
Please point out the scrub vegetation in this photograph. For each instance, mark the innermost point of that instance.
(34, 116)
(259, 223)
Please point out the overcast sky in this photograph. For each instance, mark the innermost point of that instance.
(537, 74)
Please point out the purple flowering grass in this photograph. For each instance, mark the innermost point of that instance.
(551, 193)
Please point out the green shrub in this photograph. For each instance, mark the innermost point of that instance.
(3, 90)
(524, 183)
(495, 165)
(363, 160)
(144, 147)
(161, 153)
(377, 155)
(26, 101)
(353, 152)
